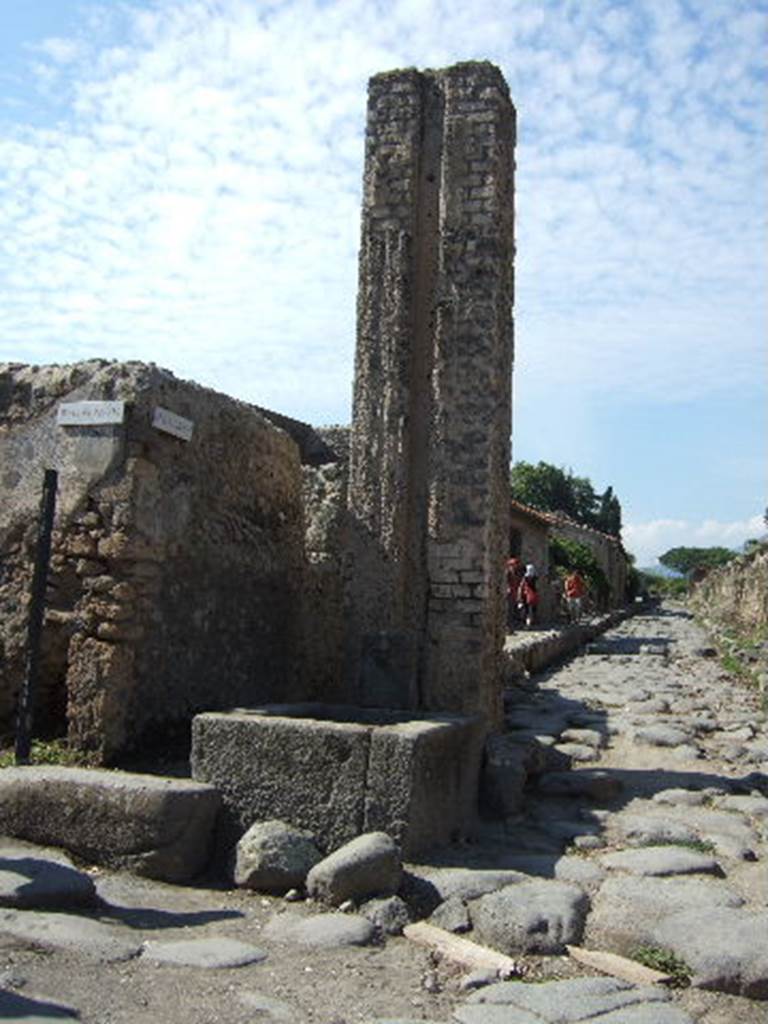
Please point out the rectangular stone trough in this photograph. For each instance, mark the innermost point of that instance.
(340, 771)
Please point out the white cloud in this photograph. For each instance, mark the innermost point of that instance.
(646, 541)
(197, 203)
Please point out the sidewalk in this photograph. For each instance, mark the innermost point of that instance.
(531, 650)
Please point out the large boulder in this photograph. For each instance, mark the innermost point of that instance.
(368, 866)
(152, 826)
(273, 856)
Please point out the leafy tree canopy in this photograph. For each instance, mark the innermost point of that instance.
(685, 560)
(554, 489)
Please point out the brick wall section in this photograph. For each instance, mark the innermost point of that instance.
(432, 403)
(176, 566)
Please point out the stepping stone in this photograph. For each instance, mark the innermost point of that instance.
(640, 829)
(566, 1002)
(752, 806)
(727, 948)
(662, 860)
(67, 931)
(34, 1010)
(627, 909)
(204, 952)
(680, 797)
(537, 916)
(275, 1010)
(661, 736)
(42, 881)
(321, 930)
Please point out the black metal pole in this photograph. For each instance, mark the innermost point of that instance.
(36, 612)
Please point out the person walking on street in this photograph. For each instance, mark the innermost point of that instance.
(514, 575)
(527, 595)
(575, 590)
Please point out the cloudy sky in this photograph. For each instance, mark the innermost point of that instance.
(180, 182)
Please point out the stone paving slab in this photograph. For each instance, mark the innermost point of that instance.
(727, 948)
(68, 931)
(214, 952)
(662, 860)
(29, 880)
(320, 930)
(574, 1001)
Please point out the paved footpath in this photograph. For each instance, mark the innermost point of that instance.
(643, 825)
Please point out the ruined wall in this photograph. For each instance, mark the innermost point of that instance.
(432, 403)
(176, 565)
(735, 597)
(326, 576)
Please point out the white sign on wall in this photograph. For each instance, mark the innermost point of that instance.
(171, 423)
(89, 414)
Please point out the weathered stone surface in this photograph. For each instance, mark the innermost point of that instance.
(389, 915)
(367, 866)
(203, 953)
(276, 1011)
(727, 949)
(427, 471)
(320, 930)
(338, 769)
(662, 860)
(504, 774)
(154, 826)
(536, 916)
(273, 856)
(598, 786)
(176, 564)
(68, 932)
(647, 829)
(627, 910)
(661, 735)
(564, 1002)
(452, 916)
(42, 879)
(466, 883)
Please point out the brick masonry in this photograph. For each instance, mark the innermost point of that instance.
(430, 444)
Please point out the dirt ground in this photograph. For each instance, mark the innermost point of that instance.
(353, 985)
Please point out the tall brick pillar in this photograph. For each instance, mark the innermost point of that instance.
(432, 402)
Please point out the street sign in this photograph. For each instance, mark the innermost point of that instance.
(89, 414)
(171, 423)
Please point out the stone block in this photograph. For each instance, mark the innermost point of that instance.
(340, 771)
(152, 826)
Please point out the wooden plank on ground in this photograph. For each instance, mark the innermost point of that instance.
(618, 966)
(462, 951)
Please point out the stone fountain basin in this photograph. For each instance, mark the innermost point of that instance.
(341, 770)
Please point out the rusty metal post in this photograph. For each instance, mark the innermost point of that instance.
(36, 612)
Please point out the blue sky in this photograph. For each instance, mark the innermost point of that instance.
(180, 182)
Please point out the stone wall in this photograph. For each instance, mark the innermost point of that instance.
(430, 441)
(176, 565)
(735, 597)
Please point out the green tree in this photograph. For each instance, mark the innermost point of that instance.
(685, 560)
(553, 489)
